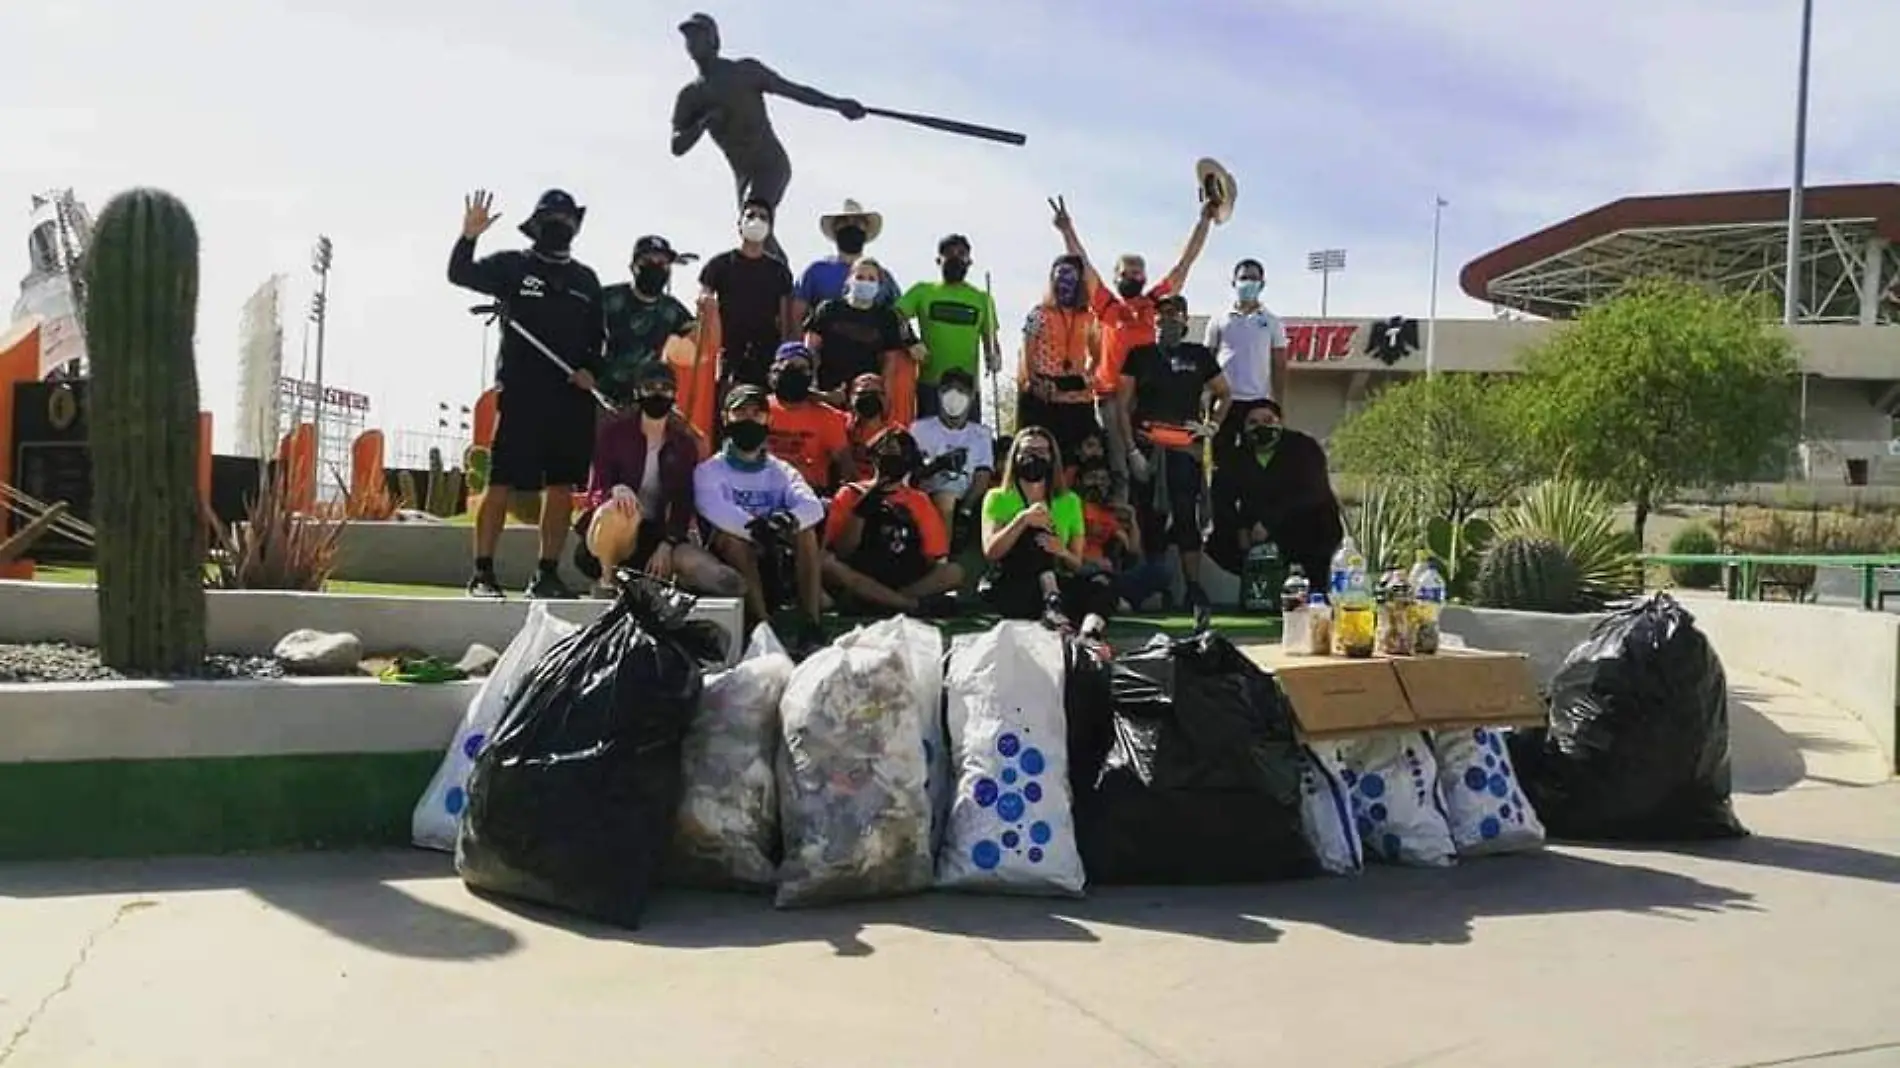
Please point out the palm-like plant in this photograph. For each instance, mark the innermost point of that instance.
(1580, 516)
(1385, 527)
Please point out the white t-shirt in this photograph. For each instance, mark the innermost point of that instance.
(934, 439)
(730, 496)
(1243, 343)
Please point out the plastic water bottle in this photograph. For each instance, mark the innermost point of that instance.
(1294, 618)
(1342, 568)
(1428, 595)
(1355, 630)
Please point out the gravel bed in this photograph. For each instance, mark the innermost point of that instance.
(60, 662)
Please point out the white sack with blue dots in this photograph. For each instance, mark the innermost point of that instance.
(1393, 779)
(1484, 802)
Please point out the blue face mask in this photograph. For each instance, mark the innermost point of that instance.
(1248, 289)
(861, 292)
(1068, 289)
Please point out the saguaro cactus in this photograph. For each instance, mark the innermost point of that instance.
(141, 317)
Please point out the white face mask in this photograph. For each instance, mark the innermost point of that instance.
(862, 292)
(755, 230)
(955, 403)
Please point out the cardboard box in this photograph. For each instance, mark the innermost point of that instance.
(1333, 697)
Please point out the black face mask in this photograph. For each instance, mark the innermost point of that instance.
(553, 235)
(955, 271)
(1130, 288)
(850, 240)
(655, 405)
(1170, 331)
(1263, 437)
(746, 435)
(868, 406)
(649, 279)
(1033, 469)
(892, 467)
(1094, 494)
(793, 386)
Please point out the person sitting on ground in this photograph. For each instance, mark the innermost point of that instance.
(854, 334)
(763, 519)
(639, 509)
(1092, 448)
(1112, 541)
(1163, 407)
(1271, 485)
(887, 544)
(959, 453)
(1033, 538)
(643, 320)
(807, 433)
(868, 419)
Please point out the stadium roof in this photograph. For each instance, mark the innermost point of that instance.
(1850, 252)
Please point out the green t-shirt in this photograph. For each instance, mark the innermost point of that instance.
(1003, 505)
(952, 320)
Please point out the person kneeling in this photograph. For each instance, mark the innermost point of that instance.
(1034, 536)
(639, 507)
(887, 542)
(763, 517)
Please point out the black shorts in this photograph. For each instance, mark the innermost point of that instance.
(542, 440)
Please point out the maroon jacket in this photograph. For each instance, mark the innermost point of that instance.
(620, 459)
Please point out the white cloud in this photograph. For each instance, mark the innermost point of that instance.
(278, 119)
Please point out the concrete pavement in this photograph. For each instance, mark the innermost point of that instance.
(1769, 951)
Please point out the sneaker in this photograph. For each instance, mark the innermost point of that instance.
(484, 587)
(547, 586)
(1197, 599)
(1054, 617)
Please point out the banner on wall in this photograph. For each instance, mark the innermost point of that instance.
(260, 366)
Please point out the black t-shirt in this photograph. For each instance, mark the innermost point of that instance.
(750, 290)
(559, 302)
(1169, 382)
(853, 341)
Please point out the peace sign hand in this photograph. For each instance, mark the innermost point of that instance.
(1060, 208)
(476, 214)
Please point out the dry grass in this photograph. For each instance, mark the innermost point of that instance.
(276, 548)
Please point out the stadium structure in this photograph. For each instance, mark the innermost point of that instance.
(1847, 287)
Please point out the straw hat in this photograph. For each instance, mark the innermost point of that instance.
(1211, 177)
(873, 221)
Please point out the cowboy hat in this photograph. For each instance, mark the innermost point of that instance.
(1211, 177)
(873, 221)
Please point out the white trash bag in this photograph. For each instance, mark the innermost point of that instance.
(853, 806)
(922, 645)
(438, 816)
(728, 815)
(1395, 805)
(1484, 802)
(1010, 826)
(1326, 814)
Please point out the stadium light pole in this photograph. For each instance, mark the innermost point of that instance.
(320, 258)
(1323, 263)
(1439, 204)
(1791, 287)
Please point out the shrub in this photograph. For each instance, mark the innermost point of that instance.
(1580, 517)
(275, 548)
(1695, 540)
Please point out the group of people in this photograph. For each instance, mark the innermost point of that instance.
(849, 462)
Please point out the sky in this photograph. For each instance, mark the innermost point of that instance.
(1342, 120)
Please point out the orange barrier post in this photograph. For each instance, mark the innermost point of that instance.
(366, 465)
(487, 414)
(204, 458)
(697, 370)
(19, 362)
(900, 387)
(298, 455)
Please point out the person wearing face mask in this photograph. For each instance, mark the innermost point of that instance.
(855, 335)
(1034, 535)
(763, 519)
(812, 436)
(1165, 388)
(1112, 541)
(1126, 312)
(638, 510)
(959, 452)
(868, 419)
(544, 436)
(955, 320)
(751, 292)
(848, 230)
(1250, 342)
(643, 319)
(1052, 377)
(887, 546)
(1271, 484)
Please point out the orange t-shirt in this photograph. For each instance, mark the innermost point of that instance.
(932, 538)
(1099, 528)
(1126, 323)
(860, 434)
(807, 435)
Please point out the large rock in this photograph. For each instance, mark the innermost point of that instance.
(314, 652)
(478, 661)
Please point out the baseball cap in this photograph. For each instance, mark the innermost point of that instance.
(655, 372)
(655, 245)
(956, 376)
(699, 20)
(744, 395)
(951, 241)
(794, 350)
(867, 382)
(1171, 302)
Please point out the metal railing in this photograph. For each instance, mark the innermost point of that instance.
(1743, 572)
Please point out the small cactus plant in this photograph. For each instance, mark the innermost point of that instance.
(475, 461)
(141, 318)
(1529, 575)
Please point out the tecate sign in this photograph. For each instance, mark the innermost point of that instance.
(1320, 342)
(332, 397)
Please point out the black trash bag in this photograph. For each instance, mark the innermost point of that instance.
(1637, 744)
(1088, 704)
(573, 802)
(1200, 782)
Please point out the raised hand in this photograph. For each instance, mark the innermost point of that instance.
(1059, 208)
(477, 213)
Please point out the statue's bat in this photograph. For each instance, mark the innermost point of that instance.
(967, 129)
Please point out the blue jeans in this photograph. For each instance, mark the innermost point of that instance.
(1142, 581)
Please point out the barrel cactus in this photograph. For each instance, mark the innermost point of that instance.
(141, 317)
(1530, 575)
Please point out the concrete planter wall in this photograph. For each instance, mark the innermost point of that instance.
(1543, 637)
(250, 622)
(437, 554)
